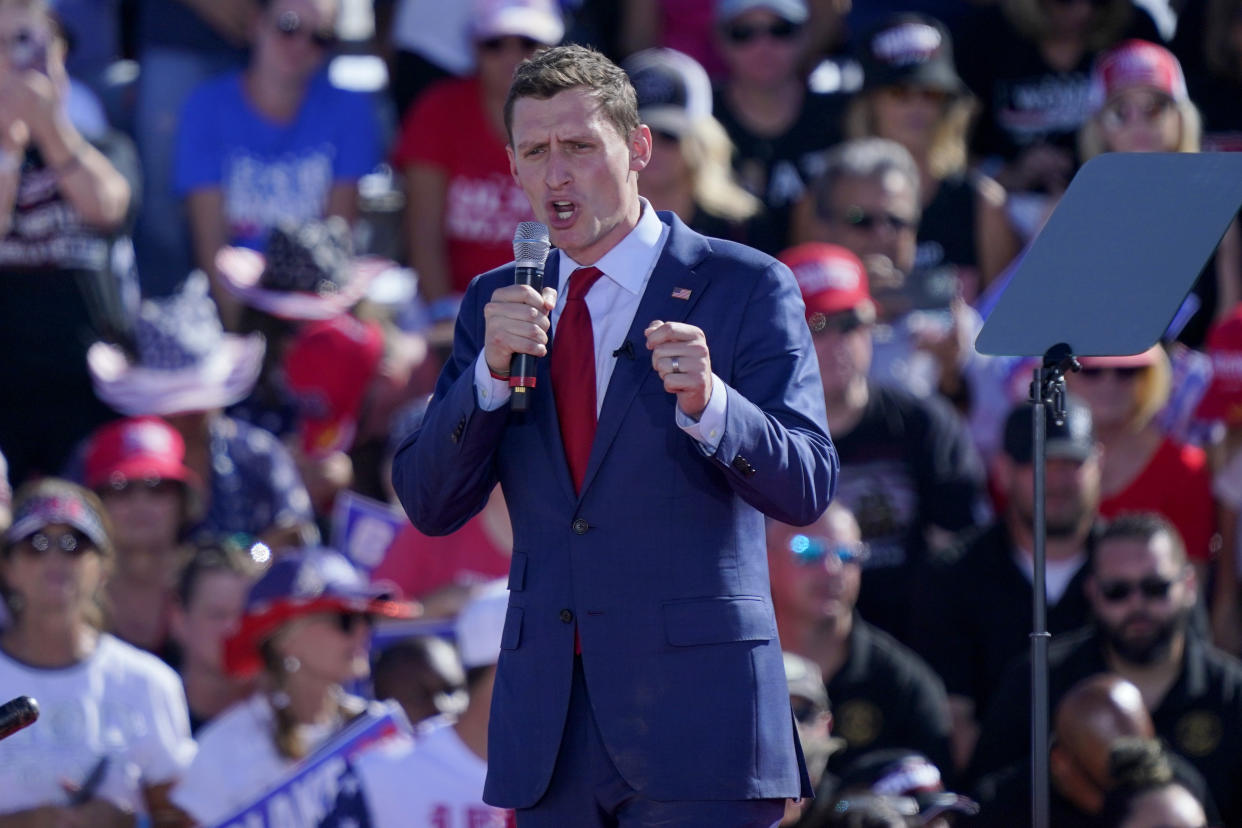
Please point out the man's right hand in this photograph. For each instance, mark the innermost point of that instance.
(516, 322)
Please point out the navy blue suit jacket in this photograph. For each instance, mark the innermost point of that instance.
(660, 562)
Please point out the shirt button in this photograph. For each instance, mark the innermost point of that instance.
(567, 616)
(580, 526)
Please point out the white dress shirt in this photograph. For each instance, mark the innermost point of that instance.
(613, 301)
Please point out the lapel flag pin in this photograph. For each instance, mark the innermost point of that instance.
(681, 293)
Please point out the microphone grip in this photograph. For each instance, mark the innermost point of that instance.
(522, 366)
(16, 714)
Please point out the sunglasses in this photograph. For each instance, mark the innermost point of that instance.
(496, 45)
(152, 485)
(841, 323)
(909, 92)
(742, 34)
(1152, 587)
(72, 543)
(289, 24)
(1124, 372)
(860, 219)
(347, 622)
(809, 550)
(804, 710)
(1121, 112)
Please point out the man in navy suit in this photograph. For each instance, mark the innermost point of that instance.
(640, 679)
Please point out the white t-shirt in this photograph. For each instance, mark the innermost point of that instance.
(120, 703)
(237, 760)
(433, 782)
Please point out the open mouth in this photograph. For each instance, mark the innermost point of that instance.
(563, 210)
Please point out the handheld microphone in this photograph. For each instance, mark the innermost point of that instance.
(530, 251)
(20, 712)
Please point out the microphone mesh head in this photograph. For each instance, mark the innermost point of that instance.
(530, 244)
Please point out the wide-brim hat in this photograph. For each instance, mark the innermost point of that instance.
(242, 269)
(300, 583)
(226, 376)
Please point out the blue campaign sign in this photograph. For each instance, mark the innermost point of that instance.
(321, 791)
(363, 528)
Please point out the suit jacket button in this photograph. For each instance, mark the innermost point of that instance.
(743, 465)
(580, 526)
(567, 616)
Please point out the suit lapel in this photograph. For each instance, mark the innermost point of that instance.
(671, 293)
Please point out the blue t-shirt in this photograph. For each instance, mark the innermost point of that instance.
(269, 172)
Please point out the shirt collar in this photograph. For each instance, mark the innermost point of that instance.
(630, 261)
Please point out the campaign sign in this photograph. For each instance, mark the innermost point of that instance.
(322, 790)
(364, 528)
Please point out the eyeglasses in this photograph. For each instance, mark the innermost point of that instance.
(908, 92)
(860, 219)
(809, 550)
(128, 486)
(72, 543)
(742, 34)
(1153, 587)
(496, 45)
(840, 323)
(1121, 111)
(1122, 372)
(347, 622)
(289, 23)
(804, 710)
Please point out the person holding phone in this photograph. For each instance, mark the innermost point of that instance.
(64, 202)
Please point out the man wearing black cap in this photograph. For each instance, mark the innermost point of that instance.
(974, 606)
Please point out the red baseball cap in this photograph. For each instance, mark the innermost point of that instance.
(1223, 399)
(1137, 63)
(139, 447)
(328, 367)
(831, 277)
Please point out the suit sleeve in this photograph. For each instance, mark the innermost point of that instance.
(775, 451)
(444, 472)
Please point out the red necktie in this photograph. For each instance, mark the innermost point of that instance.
(573, 373)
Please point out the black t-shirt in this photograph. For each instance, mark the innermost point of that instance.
(907, 465)
(1216, 96)
(884, 696)
(1023, 100)
(778, 169)
(63, 284)
(1200, 718)
(947, 226)
(973, 611)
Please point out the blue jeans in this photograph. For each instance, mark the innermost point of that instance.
(162, 236)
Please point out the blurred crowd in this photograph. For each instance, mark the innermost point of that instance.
(233, 239)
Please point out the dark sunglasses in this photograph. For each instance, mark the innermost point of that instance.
(859, 218)
(804, 710)
(499, 44)
(1121, 112)
(741, 34)
(72, 543)
(289, 24)
(347, 622)
(1124, 372)
(841, 323)
(809, 550)
(1151, 587)
(152, 485)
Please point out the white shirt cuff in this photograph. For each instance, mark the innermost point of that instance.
(708, 430)
(490, 392)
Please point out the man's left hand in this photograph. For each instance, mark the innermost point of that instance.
(679, 355)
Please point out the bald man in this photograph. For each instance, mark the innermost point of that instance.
(1092, 716)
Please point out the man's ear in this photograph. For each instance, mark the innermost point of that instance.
(640, 148)
(512, 164)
